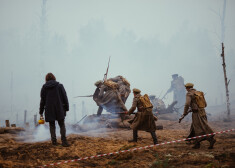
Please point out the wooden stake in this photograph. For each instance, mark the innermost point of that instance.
(35, 120)
(7, 123)
(226, 82)
(27, 125)
(25, 116)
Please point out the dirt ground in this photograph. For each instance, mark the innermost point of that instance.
(14, 153)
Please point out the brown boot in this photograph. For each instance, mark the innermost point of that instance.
(54, 142)
(153, 134)
(135, 136)
(212, 142)
(65, 143)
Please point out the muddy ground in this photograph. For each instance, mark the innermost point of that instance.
(14, 153)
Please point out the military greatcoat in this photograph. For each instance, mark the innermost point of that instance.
(199, 124)
(144, 119)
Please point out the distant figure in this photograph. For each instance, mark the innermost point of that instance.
(55, 102)
(144, 119)
(196, 101)
(123, 87)
(177, 86)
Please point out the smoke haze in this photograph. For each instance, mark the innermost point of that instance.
(148, 41)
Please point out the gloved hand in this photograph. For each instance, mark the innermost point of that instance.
(41, 117)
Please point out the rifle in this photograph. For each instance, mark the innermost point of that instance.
(106, 74)
(83, 96)
(123, 113)
(182, 117)
(160, 95)
(164, 95)
(82, 119)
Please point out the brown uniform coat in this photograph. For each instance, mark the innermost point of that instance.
(199, 124)
(144, 119)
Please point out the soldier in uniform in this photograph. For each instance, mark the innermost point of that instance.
(199, 124)
(107, 97)
(144, 119)
(124, 87)
(177, 86)
(96, 98)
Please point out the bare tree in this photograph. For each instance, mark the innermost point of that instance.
(223, 59)
(222, 38)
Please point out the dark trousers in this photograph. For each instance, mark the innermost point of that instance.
(99, 112)
(53, 130)
(153, 134)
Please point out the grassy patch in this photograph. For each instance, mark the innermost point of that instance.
(160, 163)
(211, 165)
(113, 162)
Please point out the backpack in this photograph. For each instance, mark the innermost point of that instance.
(200, 99)
(111, 84)
(146, 101)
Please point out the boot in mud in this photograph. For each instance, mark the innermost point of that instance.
(54, 142)
(153, 134)
(135, 136)
(52, 131)
(212, 142)
(65, 143)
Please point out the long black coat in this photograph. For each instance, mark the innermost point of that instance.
(54, 100)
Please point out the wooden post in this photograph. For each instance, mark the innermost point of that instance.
(27, 125)
(35, 120)
(83, 109)
(74, 110)
(7, 123)
(25, 116)
(226, 82)
(17, 118)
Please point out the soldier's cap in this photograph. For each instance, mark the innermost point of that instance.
(135, 90)
(174, 75)
(190, 85)
(98, 82)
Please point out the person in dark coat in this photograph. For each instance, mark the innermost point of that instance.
(144, 119)
(55, 103)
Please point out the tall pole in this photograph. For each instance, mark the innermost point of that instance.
(83, 109)
(25, 116)
(11, 92)
(74, 110)
(223, 59)
(223, 22)
(17, 122)
(226, 82)
(43, 37)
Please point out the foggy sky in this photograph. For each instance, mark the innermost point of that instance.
(148, 41)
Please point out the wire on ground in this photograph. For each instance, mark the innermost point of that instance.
(134, 149)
